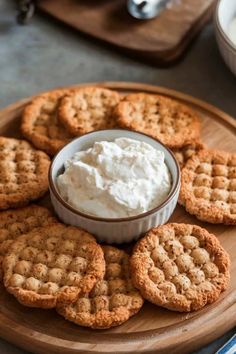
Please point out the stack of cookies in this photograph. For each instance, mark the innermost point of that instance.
(47, 264)
(63, 267)
(50, 265)
(54, 118)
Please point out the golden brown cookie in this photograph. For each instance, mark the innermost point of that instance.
(40, 124)
(52, 264)
(173, 123)
(15, 222)
(208, 186)
(180, 267)
(184, 153)
(23, 173)
(88, 109)
(113, 299)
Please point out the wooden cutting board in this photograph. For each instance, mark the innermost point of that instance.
(158, 41)
(153, 329)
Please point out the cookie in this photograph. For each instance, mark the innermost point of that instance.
(113, 299)
(208, 187)
(88, 109)
(160, 117)
(184, 153)
(52, 264)
(180, 267)
(16, 222)
(23, 173)
(40, 124)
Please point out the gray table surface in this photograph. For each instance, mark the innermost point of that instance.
(45, 54)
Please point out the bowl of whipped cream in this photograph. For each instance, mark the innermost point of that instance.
(225, 30)
(116, 184)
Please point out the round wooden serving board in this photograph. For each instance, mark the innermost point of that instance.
(153, 329)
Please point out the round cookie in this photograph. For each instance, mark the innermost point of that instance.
(40, 124)
(165, 119)
(52, 264)
(208, 186)
(113, 299)
(14, 223)
(180, 267)
(23, 173)
(88, 109)
(184, 153)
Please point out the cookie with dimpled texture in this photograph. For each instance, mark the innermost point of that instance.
(52, 264)
(40, 124)
(184, 153)
(23, 173)
(15, 222)
(208, 186)
(113, 299)
(88, 109)
(163, 118)
(180, 267)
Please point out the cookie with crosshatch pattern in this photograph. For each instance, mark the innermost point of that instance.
(88, 109)
(40, 124)
(180, 267)
(208, 186)
(16, 222)
(113, 299)
(23, 173)
(52, 264)
(163, 118)
(184, 153)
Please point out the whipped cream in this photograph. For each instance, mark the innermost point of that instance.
(115, 179)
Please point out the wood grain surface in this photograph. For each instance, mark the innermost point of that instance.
(153, 330)
(160, 40)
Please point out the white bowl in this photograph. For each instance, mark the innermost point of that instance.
(112, 230)
(224, 13)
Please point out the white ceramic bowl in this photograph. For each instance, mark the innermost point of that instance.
(224, 13)
(112, 230)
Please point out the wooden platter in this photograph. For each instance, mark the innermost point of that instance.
(160, 40)
(153, 330)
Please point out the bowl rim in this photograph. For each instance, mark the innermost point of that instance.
(222, 32)
(114, 220)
